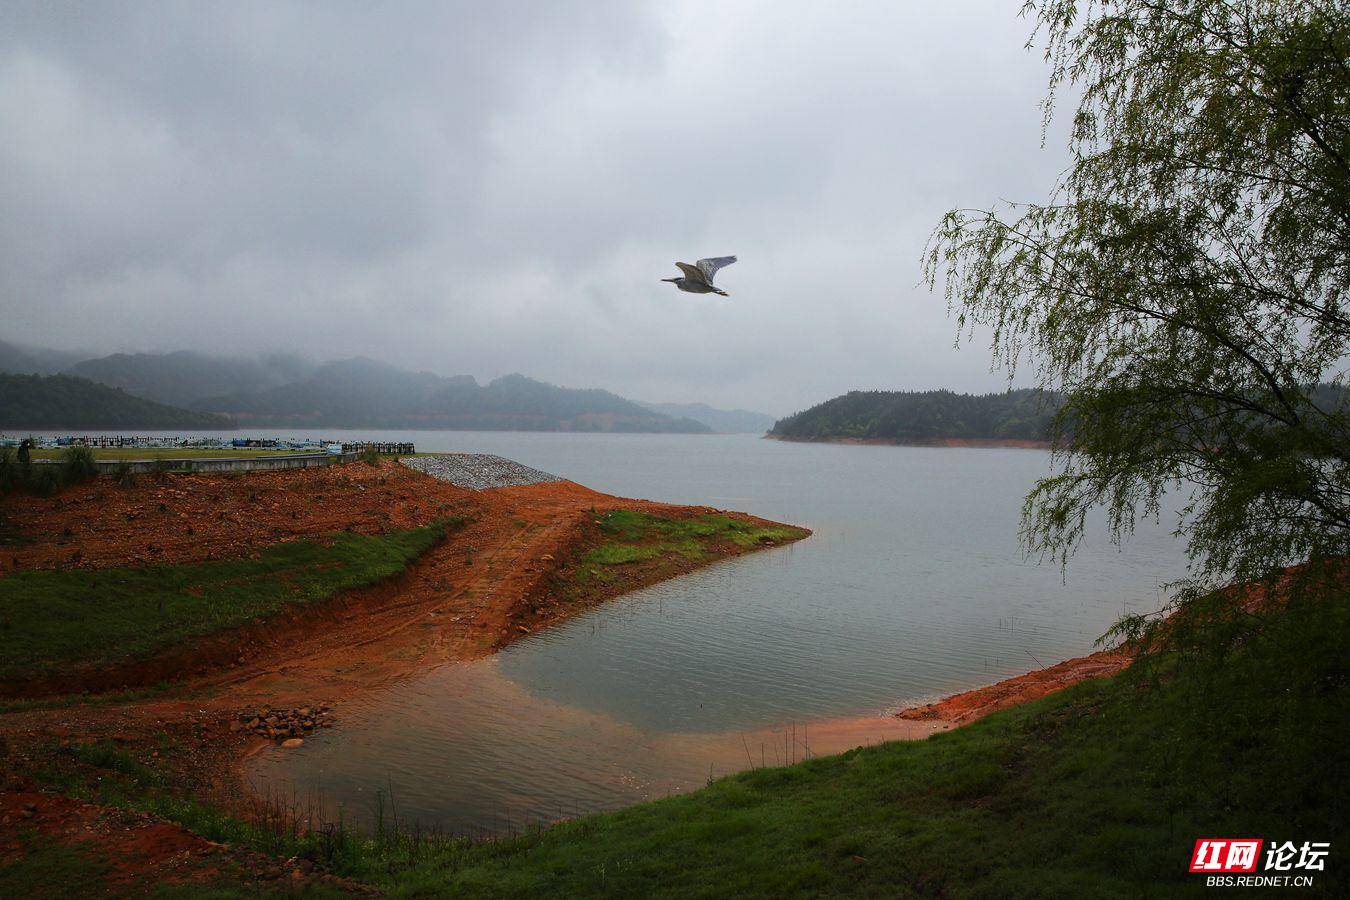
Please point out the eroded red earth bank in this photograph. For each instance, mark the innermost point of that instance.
(504, 574)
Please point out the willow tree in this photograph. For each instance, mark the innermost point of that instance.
(1185, 284)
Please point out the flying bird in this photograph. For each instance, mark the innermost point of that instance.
(698, 278)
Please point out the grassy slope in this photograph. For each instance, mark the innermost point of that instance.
(1100, 790)
(56, 618)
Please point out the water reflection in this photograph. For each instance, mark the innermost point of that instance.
(912, 587)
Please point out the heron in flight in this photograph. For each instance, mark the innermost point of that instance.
(698, 278)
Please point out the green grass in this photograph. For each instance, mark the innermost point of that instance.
(615, 553)
(68, 701)
(111, 777)
(1100, 790)
(45, 869)
(637, 536)
(53, 619)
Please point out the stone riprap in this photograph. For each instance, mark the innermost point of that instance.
(477, 470)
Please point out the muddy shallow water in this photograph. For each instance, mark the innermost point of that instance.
(912, 587)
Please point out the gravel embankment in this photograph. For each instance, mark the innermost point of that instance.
(477, 470)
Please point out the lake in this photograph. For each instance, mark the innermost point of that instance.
(912, 587)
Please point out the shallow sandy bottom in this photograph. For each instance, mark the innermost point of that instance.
(467, 749)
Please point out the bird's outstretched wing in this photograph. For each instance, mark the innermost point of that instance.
(693, 272)
(709, 267)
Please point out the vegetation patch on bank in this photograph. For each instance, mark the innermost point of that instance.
(55, 619)
(630, 536)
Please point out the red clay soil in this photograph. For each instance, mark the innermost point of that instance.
(968, 706)
(493, 580)
(140, 844)
(191, 518)
(129, 853)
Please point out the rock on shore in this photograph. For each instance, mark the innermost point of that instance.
(477, 471)
(283, 724)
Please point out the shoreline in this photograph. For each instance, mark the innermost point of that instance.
(505, 572)
(970, 705)
(963, 707)
(1008, 443)
(515, 567)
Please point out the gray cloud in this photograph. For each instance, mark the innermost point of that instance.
(487, 188)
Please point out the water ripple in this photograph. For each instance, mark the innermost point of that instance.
(912, 587)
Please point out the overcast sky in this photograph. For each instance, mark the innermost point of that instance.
(485, 188)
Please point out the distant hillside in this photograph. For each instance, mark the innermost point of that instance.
(19, 359)
(370, 394)
(182, 378)
(725, 421)
(286, 390)
(934, 417)
(63, 401)
(924, 417)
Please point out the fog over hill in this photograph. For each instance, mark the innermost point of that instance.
(283, 389)
(725, 421)
(21, 359)
(365, 393)
(507, 186)
(183, 377)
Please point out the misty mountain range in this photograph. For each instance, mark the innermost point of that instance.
(725, 421)
(281, 390)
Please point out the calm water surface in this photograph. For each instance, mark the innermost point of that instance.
(912, 587)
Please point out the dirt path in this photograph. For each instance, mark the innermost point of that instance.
(457, 602)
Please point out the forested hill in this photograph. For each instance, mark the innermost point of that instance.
(64, 401)
(366, 393)
(923, 417)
